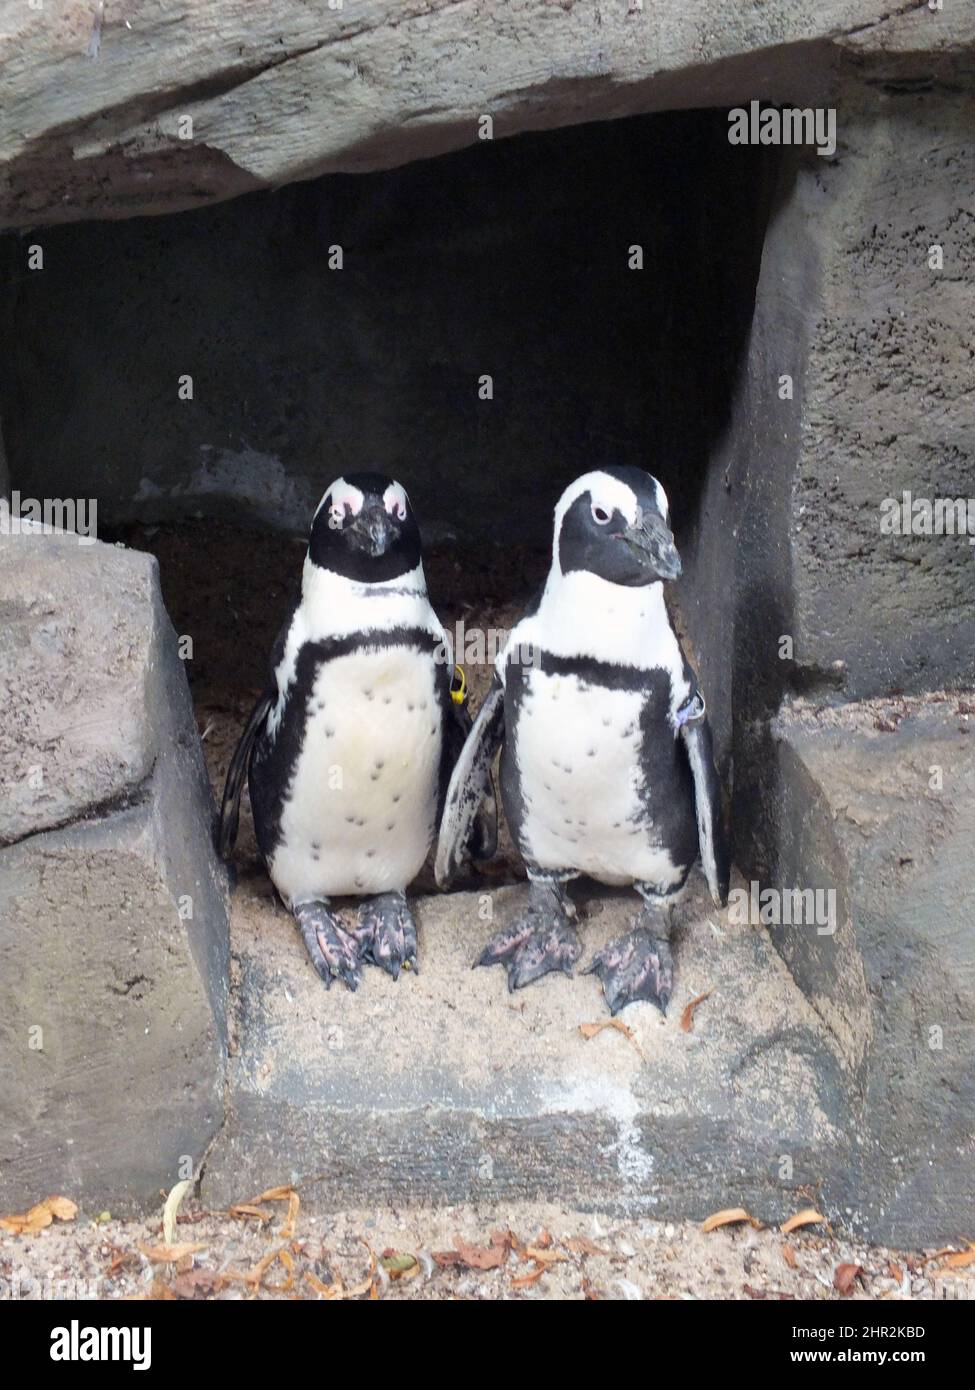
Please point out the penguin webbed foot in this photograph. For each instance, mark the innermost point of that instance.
(637, 965)
(333, 950)
(541, 941)
(386, 934)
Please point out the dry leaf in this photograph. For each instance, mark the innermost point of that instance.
(809, 1217)
(480, 1256)
(591, 1030)
(895, 1272)
(522, 1281)
(960, 1259)
(687, 1017)
(579, 1245)
(728, 1218)
(61, 1207)
(245, 1209)
(40, 1215)
(543, 1257)
(197, 1283)
(274, 1194)
(286, 1258)
(171, 1208)
(789, 1255)
(161, 1291)
(447, 1258)
(169, 1254)
(294, 1206)
(845, 1276)
(323, 1290)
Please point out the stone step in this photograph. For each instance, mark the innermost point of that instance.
(444, 1087)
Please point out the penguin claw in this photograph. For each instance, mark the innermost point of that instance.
(635, 966)
(386, 934)
(530, 950)
(333, 951)
(504, 943)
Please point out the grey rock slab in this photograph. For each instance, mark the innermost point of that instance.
(114, 959)
(444, 1087)
(876, 801)
(90, 124)
(79, 681)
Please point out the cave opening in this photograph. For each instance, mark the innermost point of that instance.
(484, 326)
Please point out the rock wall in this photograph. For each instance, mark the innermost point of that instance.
(113, 914)
(96, 98)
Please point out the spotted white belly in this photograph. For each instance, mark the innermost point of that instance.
(578, 752)
(359, 815)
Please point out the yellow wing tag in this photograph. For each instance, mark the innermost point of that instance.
(458, 686)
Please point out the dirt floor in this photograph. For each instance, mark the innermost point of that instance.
(268, 1250)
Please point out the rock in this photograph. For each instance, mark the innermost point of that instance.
(876, 802)
(97, 100)
(443, 1087)
(83, 628)
(791, 586)
(113, 916)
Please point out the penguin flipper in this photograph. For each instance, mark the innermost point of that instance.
(482, 840)
(711, 834)
(470, 807)
(239, 763)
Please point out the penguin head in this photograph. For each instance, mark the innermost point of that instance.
(364, 529)
(614, 523)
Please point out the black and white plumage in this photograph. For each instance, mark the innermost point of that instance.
(349, 750)
(607, 766)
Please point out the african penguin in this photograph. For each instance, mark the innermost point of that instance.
(350, 748)
(607, 766)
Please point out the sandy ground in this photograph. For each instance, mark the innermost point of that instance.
(528, 1252)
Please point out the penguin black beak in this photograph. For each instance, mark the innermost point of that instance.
(372, 530)
(653, 542)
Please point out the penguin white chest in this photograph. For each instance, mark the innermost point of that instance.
(359, 814)
(580, 770)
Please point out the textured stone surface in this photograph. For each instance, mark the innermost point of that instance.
(786, 539)
(113, 924)
(851, 801)
(289, 91)
(81, 627)
(445, 1087)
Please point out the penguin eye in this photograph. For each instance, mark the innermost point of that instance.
(600, 515)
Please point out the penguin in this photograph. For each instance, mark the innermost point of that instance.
(349, 749)
(607, 765)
